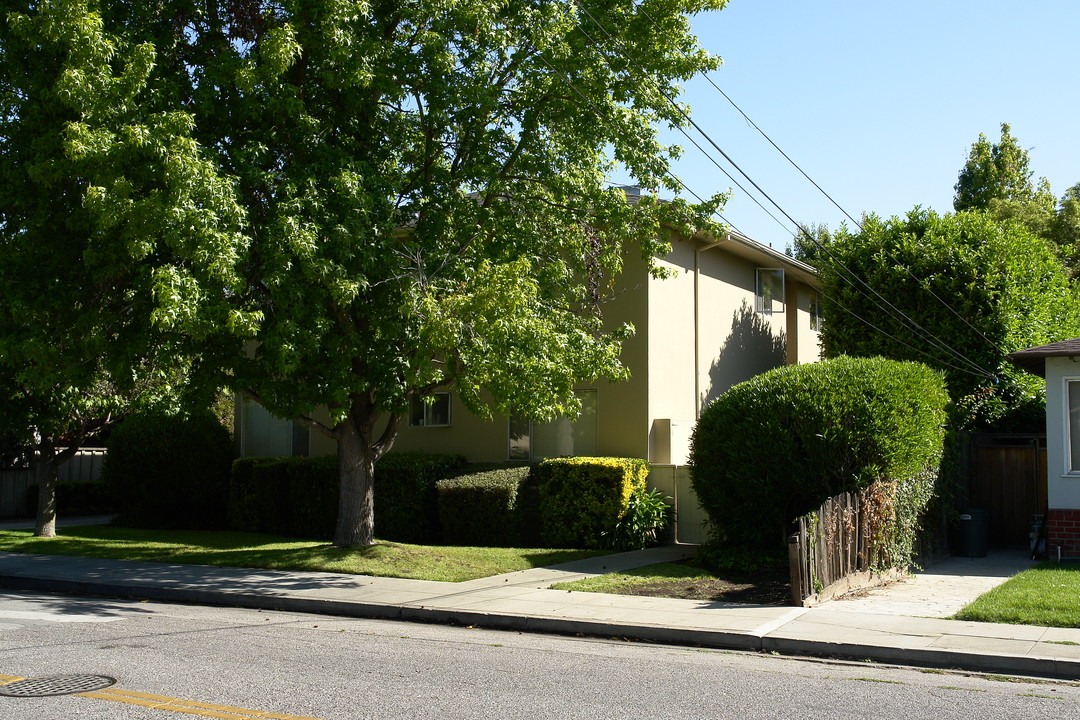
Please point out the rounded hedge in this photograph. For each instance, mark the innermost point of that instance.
(169, 471)
(775, 447)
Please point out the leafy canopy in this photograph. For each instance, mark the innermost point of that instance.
(425, 187)
(979, 286)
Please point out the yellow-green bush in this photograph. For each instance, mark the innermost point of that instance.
(582, 499)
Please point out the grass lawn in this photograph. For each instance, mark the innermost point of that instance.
(688, 581)
(1047, 594)
(250, 550)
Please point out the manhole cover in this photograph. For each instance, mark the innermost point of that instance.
(56, 685)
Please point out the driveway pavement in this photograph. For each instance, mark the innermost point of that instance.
(901, 623)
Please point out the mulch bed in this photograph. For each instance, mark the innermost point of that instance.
(763, 587)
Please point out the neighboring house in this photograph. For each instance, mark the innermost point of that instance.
(735, 309)
(1059, 363)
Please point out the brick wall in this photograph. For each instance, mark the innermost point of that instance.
(1063, 529)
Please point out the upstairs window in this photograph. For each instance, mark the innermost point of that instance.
(769, 295)
(816, 319)
(433, 411)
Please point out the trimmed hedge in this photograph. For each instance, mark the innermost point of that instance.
(90, 497)
(169, 471)
(582, 499)
(773, 448)
(406, 500)
(298, 496)
(482, 508)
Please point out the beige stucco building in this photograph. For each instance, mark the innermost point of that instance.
(734, 308)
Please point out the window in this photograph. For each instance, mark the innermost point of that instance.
(562, 437)
(1073, 439)
(432, 411)
(265, 435)
(816, 319)
(769, 294)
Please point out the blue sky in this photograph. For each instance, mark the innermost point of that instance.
(880, 101)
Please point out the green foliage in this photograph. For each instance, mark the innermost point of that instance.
(481, 508)
(776, 446)
(583, 499)
(169, 471)
(647, 514)
(1065, 229)
(405, 483)
(299, 496)
(983, 287)
(998, 171)
(415, 194)
(427, 202)
(90, 497)
(114, 226)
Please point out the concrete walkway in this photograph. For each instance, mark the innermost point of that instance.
(888, 624)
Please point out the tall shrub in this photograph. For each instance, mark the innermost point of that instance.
(582, 499)
(776, 446)
(169, 471)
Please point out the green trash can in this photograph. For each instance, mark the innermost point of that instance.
(972, 533)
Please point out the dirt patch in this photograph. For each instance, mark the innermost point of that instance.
(764, 587)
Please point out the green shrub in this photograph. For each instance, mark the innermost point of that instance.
(406, 500)
(773, 448)
(75, 498)
(244, 512)
(647, 514)
(169, 471)
(313, 496)
(481, 508)
(298, 496)
(582, 499)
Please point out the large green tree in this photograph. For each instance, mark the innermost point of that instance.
(425, 187)
(957, 292)
(118, 239)
(999, 173)
(997, 178)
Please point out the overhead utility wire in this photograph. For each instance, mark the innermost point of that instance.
(894, 311)
(599, 113)
(834, 202)
(823, 192)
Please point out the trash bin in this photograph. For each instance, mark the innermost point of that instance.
(971, 533)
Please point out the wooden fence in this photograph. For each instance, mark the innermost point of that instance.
(83, 467)
(832, 551)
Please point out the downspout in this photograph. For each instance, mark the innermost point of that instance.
(697, 321)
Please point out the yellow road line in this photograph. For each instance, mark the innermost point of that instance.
(161, 702)
(190, 707)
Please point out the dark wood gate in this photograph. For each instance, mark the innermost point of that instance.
(1007, 476)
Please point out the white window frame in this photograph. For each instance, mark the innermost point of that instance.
(1072, 424)
(769, 281)
(425, 419)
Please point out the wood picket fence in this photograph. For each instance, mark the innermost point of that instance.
(834, 550)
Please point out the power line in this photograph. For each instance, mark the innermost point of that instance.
(884, 303)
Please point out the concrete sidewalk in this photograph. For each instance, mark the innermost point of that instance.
(872, 626)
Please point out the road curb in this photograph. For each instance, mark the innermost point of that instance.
(1006, 664)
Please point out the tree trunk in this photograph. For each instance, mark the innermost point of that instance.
(45, 474)
(356, 498)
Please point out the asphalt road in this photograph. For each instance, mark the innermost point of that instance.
(172, 660)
